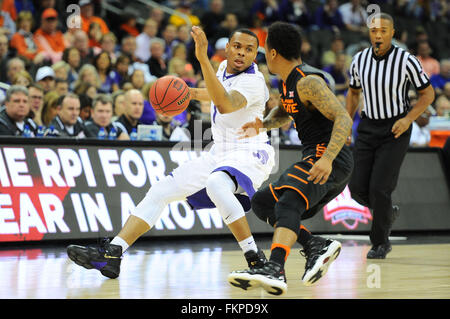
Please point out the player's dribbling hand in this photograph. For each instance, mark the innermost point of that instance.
(320, 171)
(250, 129)
(201, 44)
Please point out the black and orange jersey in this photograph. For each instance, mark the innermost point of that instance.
(313, 128)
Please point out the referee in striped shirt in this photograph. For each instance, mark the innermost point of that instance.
(383, 73)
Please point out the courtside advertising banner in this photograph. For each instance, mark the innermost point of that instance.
(88, 191)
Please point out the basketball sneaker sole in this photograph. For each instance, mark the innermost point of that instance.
(324, 261)
(80, 256)
(248, 281)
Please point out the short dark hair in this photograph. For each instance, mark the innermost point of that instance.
(101, 98)
(286, 39)
(382, 15)
(246, 31)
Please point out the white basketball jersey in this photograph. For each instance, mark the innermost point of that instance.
(251, 84)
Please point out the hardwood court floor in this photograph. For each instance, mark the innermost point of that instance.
(200, 272)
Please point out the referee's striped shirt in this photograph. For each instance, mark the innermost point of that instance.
(385, 81)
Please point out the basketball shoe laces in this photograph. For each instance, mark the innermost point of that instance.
(312, 251)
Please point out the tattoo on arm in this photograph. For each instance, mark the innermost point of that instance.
(313, 90)
(276, 118)
(237, 100)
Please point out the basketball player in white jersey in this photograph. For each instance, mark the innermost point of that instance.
(225, 177)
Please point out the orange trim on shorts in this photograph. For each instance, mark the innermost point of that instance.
(298, 191)
(273, 193)
(303, 170)
(304, 228)
(300, 179)
(286, 248)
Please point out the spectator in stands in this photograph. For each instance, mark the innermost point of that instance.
(14, 117)
(420, 134)
(108, 43)
(161, 19)
(230, 24)
(171, 128)
(329, 17)
(439, 80)
(23, 40)
(354, 16)
(430, 65)
(212, 19)
(137, 79)
(14, 65)
(258, 28)
(181, 69)
(50, 109)
(7, 25)
(101, 117)
(296, 12)
(85, 107)
(129, 25)
(267, 10)
(95, 35)
(88, 75)
(118, 100)
(121, 69)
(87, 17)
(339, 72)
(143, 40)
(219, 54)
(36, 100)
(61, 70)
(48, 38)
(5, 56)
(169, 35)
(22, 78)
(337, 47)
(134, 107)
(45, 77)
(156, 63)
(184, 7)
(442, 103)
(109, 81)
(184, 35)
(61, 86)
(81, 42)
(72, 57)
(68, 122)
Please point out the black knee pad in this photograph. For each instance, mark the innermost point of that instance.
(263, 206)
(289, 210)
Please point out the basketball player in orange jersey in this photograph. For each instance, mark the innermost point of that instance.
(226, 177)
(308, 185)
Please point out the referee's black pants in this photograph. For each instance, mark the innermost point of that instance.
(378, 156)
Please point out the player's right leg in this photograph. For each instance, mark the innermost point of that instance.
(185, 180)
(106, 257)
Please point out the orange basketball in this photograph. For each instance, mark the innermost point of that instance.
(169, 95)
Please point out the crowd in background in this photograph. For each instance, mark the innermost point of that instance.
(89, 75)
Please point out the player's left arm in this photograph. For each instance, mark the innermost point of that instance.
(313, 90)
(226, 102)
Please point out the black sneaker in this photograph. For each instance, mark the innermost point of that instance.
(319, 253)
(379, 251)
(104, 257)
(271, 277)
(239, 278)
(255, 259)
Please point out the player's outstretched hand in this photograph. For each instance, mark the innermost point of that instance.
(201, 44)
(320, 171)
(250, 129)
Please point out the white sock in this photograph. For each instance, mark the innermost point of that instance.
(120, 242)
(248, 244)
